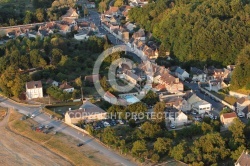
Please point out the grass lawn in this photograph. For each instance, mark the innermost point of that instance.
(229, 99)
(57, 143)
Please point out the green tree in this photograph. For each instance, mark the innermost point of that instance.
(159, 115)
(162, 145)
(39, 15)
(210, 148)
(28, 17)
(179, 151)
(237, 130)
(56, 56)
(139, 147)
(150, 130)
(151, 98)
(12, 22)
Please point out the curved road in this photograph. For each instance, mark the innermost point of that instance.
(61, 127)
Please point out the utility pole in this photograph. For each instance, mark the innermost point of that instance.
(82, 93)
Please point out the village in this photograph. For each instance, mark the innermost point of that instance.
(189, 96)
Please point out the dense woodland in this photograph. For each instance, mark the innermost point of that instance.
(13, 13)
(56, 57)
(200, 32)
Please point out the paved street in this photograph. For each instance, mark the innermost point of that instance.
(61, 127)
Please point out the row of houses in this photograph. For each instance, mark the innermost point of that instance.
(68, 23)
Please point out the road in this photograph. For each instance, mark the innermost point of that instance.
(61, 127)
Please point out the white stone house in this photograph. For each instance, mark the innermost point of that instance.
(177, 118)
(202, 107)
(34, 89)
(87, 112)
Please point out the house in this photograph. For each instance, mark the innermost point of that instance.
(82, 35)
(246, 111)
(52, 82)
(109, 97)
(91, 78)
(129, 26)
(227, 118)
(87, 112)
(177, 117)
(243, 160)
(66, 87)
(241, 103)
(181, 74)
(140, 35)
(202, 107)
(198, 74)
(71, 14)
(131, 77)
(34, 89)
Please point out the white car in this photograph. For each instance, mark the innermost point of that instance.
(194, 113)
(172, 126)
(33, 115)
(240, 115)
(106, 124)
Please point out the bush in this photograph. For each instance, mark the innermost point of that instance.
(132, 123)
(155, 158)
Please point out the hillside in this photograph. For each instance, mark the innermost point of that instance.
(197, 32)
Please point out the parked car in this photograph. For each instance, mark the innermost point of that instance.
(33, 116)
(240, 115)
(80, 144)
(194, 113)
(172, 126)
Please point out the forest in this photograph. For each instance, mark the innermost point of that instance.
(55, 57)
(203, 32)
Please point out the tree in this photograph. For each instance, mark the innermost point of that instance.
(210, 148)
(162, 145)
(159, 115)
(179, 151)
(151, 98)
(155, 158)
(236, 154)
(12, 22)
(118, 3)
(150, 130)
(56, 56)
(139, 147)
(40, 15)
(102, 6)
(237, 130)
(28, 17)
(241, 74)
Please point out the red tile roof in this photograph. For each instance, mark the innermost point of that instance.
(229, 115)
(65, 86)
